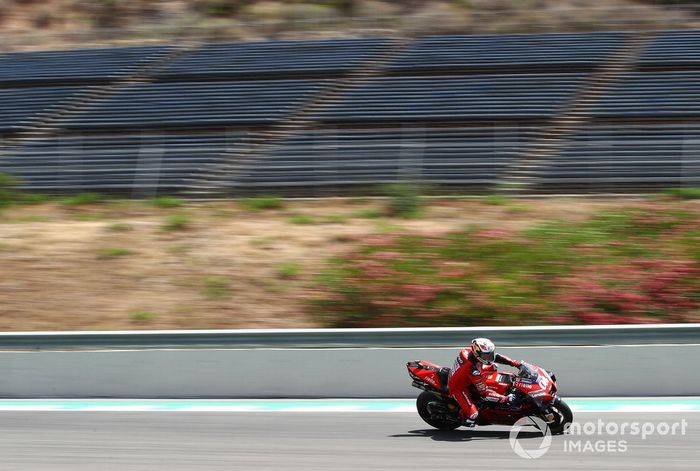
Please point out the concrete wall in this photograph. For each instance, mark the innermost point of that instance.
(581, 371)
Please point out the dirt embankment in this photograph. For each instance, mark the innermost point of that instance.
(123, 265)
(34, 24)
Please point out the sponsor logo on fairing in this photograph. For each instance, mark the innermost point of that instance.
(430, 380)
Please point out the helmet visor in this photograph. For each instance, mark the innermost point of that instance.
(487, 357)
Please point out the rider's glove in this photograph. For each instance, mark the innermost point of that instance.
(507, 399)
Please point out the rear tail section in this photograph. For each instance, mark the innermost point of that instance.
(428, 376)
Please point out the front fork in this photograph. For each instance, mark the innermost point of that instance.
(545, 410)
(548, 413)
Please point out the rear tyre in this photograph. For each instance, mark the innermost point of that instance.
(422, 402)
(563, 416)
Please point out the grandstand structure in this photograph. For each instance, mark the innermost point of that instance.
(531, 113)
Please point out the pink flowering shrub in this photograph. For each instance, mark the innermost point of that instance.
(634, 292)
(639, 266)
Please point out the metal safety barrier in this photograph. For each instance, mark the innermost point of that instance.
(355, 338)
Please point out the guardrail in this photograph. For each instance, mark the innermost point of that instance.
(342, 372)
(355, 338)
(588, 360)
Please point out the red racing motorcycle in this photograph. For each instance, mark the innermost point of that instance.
(535, 390)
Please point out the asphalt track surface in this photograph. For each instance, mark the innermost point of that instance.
(126, 441)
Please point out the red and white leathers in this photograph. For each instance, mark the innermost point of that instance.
(467, 371)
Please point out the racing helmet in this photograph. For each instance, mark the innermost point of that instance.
(484, 350)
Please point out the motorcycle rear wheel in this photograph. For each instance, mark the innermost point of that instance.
(422, 405)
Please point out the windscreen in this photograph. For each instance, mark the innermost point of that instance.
(528, 372)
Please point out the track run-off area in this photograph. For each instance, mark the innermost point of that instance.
(57, 434)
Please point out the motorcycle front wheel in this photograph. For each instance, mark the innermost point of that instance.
(562, 416)
(422, 403)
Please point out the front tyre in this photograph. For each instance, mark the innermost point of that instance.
(562, 416)
(424, 399)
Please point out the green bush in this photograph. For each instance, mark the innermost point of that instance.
(166, 202)
(142, 316)
(89, 216)
(684, 193)
(113, 252)
(261, 203)
(288, 270)
(83, 199)
(404, 200)
(334, 219)
(495, 200)
(31, 198)
(8, 191)
(177, 222)
(517, 208)
(219, 8)
(9, 194)
(369, 213)
(120, 227)
(301, 219)
(216, 287)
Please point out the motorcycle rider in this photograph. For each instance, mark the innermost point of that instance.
(467, 370)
